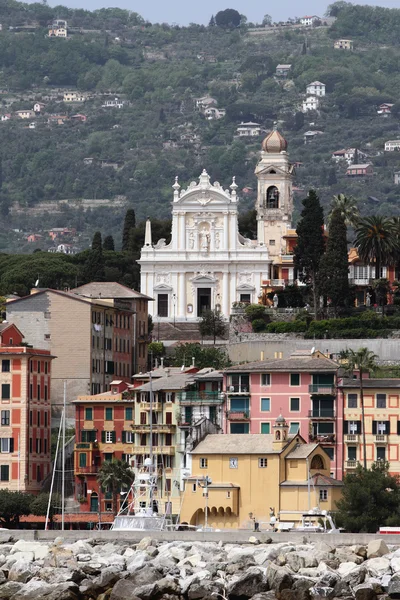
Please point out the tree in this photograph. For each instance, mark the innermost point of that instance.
(40, 505)
(212, 21)
(228, 18)
(370, 499)
(108, 243)
(203, 356)
(382, 289)
(13, 505)
(267, 20)
(97, 241)
(376, 241)
(348, 208)
(310, 244)
(334, 280)
(129, 224)
(93, 267)
(114, 475)
(247, 223)
(212, 323)
(362, 360)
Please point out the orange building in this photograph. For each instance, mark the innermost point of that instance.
(24, 413)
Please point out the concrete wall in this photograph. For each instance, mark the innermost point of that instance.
(246, 351)
(227, 537)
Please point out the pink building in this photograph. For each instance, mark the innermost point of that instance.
(301, 388)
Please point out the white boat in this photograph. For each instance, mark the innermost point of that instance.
(313, 521)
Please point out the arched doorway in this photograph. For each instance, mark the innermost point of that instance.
(94, 502)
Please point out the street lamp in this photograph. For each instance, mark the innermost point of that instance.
(204, 483)
(174, 305)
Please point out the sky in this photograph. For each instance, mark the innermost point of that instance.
(187, 11)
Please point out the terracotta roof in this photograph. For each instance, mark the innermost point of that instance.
(107, 289)
(307, 364)
(236, 443)
(70, 518)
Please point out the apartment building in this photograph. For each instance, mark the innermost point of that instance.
(25, 387)
(382, 422)
(301, 388)
(94, 338)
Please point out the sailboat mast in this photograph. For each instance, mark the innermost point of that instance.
(54, 473)
(63, 460)
(151, 441)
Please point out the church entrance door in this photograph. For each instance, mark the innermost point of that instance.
(203, 300)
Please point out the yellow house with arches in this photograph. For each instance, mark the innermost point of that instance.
(241, 478)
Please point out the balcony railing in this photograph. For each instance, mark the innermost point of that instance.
(381, 438)
(353, 438)
(238, 415)
(361, 281)
(323, 389)
(323, 438)
(87, 470)
(86, 445)
(322, 413)
(170, 450)
(201, 397)
(157, 428)
(351, 464)
(238, 389)
(157, 406)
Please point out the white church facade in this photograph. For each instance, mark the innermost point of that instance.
(208, 264)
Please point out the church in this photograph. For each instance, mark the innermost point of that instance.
(208, 264)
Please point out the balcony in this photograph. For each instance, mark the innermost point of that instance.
(157, 428)
(238, 415)
(201, 397)
(87, 470)
(351, 464)
(169, 450)
(86, 446)
(323, 438)
(157, 406)
(381, 438)
(238, 389)
(352, 438)
(321, 413)
(287, 258)
(322, 389)
(362, 281)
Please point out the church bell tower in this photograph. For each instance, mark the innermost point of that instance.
(274, 196)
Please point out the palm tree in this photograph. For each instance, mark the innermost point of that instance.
(362, 360)
(114, 475)
(348, 208)
(376, 241)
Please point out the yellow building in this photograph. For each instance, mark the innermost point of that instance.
(251, 475)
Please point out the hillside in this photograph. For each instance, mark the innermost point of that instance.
(56, 170)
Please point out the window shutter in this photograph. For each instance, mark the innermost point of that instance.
(11, 444)
(113, 437)
(173, 397)
(387, 427)
(103, 437)
(398, 427)
(345, 427)
(359, 427)
(123, 437)
(374, 427)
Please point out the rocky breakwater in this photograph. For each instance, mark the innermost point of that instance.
(150, 570)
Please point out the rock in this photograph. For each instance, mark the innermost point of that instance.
(92, 568)
(237, 553)
(167, 585)
(59, 575)
(33, 590)
(65, 591)
(394, 587)
(136, 561)
(302, 588)
(9, 588)
(261, 556)
(364, 591)
(22, 571)
(81, 547)
(265, 596)
(320, 592)
(108, 549)
(288, 595)
(25, 556)
(253, 540)
(122, 590)
(59, 556)
(248, 584)
(144, 543)
(200, 576)
(152, 551)
(144, 576)
(279, 578)
(205, 590)
(328, 579)
(107, 577)
(354, 576)
(359, 550)
(377, 567)
(178, 553)
(395, 564)
(376, 548)
(145, 592)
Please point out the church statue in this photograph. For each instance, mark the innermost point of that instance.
(217, 241)
(276, 300)
(204, 239)
(368, 299)
(191, 240)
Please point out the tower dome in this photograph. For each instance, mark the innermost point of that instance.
(274, 143)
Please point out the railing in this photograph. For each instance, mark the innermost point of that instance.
(170, 450)
(87, 470)
(238, 389)
(360, 281)
(156, 406)
(352, 437)
(322, 413)
(381, 438)
(351, 464)
(157, 428)
(238, 415)
(86, 445)
(287, 258)
(320, 388)
(200, 397)
(328, 438)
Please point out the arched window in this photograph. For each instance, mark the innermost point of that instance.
(317, 463)
(272, 197)
(278, 435)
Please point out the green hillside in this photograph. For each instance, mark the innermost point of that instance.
(159, 71)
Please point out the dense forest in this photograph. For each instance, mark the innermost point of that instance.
(159, 71)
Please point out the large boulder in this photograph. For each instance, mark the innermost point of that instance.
(33, 590)
(122, 590)
(247, 585)
(57, 575)
(144, 576)
(321, 592)
(64, 591)
(365, 591)
(395, 563)
(144, 543)
(376, 548)
(376, 567)
(393, 587)
(8, 589)
(22, 571)
(205, 590)
(107, 577)
(352, 574)
(279, 578)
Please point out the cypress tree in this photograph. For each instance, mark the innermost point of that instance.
(129, 224)
(334, 281)
(108, 243)
(310, 244)
(97, 241)
(93, 268)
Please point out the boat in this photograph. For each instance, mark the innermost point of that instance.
(312, 521)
